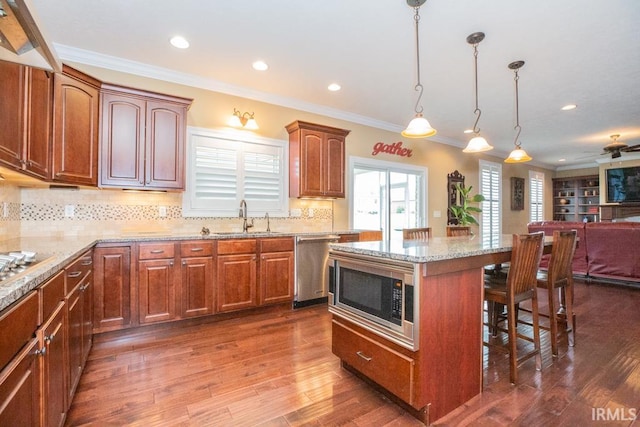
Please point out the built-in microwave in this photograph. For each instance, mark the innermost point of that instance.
(379, 295)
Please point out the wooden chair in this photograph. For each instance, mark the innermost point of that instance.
(458, 230)
(517, 286)
(559, 277)
(423, 233)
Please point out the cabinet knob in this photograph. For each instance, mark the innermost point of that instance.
(184, 262)
(170, 263)
(363, 356)
(49, 338)
(74, 274)
(41, 352)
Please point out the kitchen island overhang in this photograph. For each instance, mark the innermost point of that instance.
(446, 370)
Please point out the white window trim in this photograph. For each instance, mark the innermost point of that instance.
(392, 166)
(536, 176)
(481, 166)
(231, 210)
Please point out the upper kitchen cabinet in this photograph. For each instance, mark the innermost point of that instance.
(143, 137)
(316, 160)
(25, 108)
(75, 128)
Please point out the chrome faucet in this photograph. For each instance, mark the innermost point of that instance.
(243, 214)
(266, 215)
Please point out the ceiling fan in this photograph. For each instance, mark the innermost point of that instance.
(615, 147)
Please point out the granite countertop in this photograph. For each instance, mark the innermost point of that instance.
(54, 254)
(434, 249)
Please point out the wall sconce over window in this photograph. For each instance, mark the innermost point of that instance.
(243, 120)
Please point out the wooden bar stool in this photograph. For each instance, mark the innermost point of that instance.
(458, 230)
(517, 286)
(423, 233)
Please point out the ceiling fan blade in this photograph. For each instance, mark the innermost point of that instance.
(631, 148)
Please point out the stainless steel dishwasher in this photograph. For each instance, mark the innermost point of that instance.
(311, 284)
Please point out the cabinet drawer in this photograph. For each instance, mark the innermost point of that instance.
(156, 250)
(240, 246)
(189, 249)
(346, 238)
(77, 270)
(388, 368)
(276, 245)
(51, 294)
(17, 326)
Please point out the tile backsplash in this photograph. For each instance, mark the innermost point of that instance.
(109, 213)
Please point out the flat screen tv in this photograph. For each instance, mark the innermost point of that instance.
(623, 185)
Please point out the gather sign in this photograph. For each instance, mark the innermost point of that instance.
(395, 148)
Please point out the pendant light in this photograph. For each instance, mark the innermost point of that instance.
(419, 127)
(477, 144)
(518, 155)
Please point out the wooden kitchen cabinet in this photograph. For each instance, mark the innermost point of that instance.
(576, 198)
(111, 288)
(277, 262)
(52, 338)
(197, 278)
(156, 282)
(75, 128)
(26, 111)
(236, 275)
(142, 139)
(316, 160)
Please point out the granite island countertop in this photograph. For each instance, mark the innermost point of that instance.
(55, 253)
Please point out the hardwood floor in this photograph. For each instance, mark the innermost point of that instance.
(275, 368)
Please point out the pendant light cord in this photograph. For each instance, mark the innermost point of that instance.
(517, 126)
(477, 111)
(418, 87)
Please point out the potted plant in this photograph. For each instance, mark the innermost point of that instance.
(463, 213)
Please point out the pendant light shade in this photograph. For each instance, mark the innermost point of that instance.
(419, 127)
(477, 144)
(518, 155)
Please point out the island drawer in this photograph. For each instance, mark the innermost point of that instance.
(18, 325)
(191, 249)
(388, 368)
(156, 250)
(239, 246)
(77, 271)
(51, 294)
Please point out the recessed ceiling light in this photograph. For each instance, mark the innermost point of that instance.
(179, 42)
(569, 107)
(260, 66)
(334, 87)
(468, 131)
(562, 160)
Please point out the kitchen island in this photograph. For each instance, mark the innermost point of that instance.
(446, 369)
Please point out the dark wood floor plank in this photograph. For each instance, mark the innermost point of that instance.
(275, 368)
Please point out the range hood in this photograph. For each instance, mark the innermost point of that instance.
(20, 38)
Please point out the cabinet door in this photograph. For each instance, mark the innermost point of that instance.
(276, 277)
(122, 143)
(164, 156)
(74, 339)
(334, 166)
(156, 292)
(12, 101)
(311, 163)
(111, 288)
(197, 286)
(20, 389)
(75, 131)
(236, 282)
(87, 316)
(54, 387)
(39, 113)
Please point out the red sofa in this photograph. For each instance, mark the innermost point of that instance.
(608, 250)
(580, 264)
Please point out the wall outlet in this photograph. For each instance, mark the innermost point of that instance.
(295, 213)
(5, 209)
(437, 214)
(162, 211)
(310, 213)
(69, 211)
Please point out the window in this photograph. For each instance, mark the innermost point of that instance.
(536, 196)
(223, 169)
(387, 196)
(491, 189)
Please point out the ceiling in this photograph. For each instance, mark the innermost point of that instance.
(575, 51)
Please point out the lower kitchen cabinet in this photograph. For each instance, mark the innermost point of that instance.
(111, 288)
(156, 282)
(20, 388)
(197, 278)
(277, 262)
(236, 275)
(53, 340)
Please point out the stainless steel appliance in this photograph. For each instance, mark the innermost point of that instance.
(379, 295)
(311, 284)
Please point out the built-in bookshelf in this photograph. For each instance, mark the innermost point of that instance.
(576, 198)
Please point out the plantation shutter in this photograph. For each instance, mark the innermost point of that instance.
(491, 189)
(536, 196)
